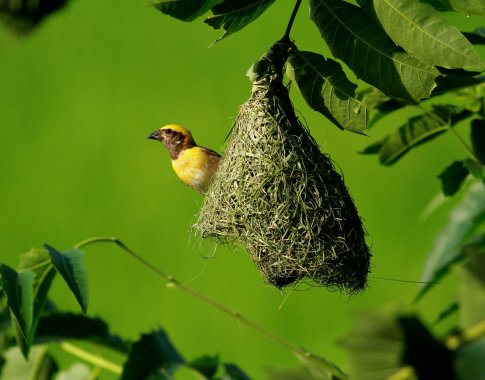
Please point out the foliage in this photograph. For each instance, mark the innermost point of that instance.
(152, 356)
(407, 64)
(407, 57)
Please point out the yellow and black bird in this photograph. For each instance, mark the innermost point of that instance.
(194, 165)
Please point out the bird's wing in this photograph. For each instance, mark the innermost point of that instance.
(210, 152)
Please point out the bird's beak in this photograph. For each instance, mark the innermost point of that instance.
(155, 135)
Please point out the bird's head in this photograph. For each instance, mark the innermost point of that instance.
(174, 137)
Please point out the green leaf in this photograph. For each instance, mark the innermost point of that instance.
(233, 372)
(449, 83)
(18, 287)
(326, 89)
(384, 341)
(59, 326)
(453, 177)
(416, 131)
(70, 265)
(447, 250)
(233, 15)
(471, 291)
(359, 41)
(374, 345)
(478, 138)
(468, 7)
(185, 10)
(477, 37)
(152, 353)
(320, 368)
(206, 365)
(469, 363)
(379, 104)
(475, 168)
(38, 261)
(424, 34)
(449, 311)
(429, 357)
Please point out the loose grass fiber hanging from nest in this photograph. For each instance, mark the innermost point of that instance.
(280, 197)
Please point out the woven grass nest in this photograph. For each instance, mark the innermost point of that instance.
(281, 198)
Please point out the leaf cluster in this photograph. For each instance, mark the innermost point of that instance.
(407, 349)
(403, 50)
(29, 320)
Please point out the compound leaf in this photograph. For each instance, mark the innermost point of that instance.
(424, 34)
(359, 41)
(417, 130)
(326, 89)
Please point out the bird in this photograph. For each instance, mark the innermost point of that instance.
(195, 165)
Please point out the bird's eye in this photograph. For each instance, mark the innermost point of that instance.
(168, 131)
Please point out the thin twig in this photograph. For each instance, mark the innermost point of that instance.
(299, 351)
(286, 36)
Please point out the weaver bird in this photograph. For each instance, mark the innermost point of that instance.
(193, 164)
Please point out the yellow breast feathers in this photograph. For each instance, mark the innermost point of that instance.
(195, 167)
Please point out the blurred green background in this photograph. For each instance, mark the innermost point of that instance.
(78, 98)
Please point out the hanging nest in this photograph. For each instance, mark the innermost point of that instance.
(279, 196)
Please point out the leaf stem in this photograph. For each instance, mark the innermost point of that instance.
(286, 36)
(297, 350)
(463, 143)
(90, 358)
(447, 124)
